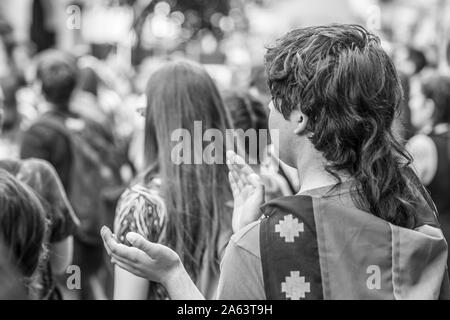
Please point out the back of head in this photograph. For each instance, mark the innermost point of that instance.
(341, 78)
(9, 87)
(57, 73)
(181, 96)
(22, 223)
(437, 88)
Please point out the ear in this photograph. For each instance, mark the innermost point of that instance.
(300, 121)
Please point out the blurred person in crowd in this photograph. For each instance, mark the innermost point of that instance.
(249, 113)
(7, 45)
(22, 234)
(43, 180)
(84, 155)
(335, 93)
(14, 123)
(11, 286)
(430, 148)
(258, 84)
(411, 61)
(404, 128)
(187, 207)
(85, 100)
(138, 103)
(56, 79)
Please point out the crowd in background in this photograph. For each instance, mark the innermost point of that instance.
(85, 142)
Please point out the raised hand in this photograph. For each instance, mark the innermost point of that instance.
(248, 191)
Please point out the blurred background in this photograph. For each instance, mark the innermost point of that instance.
(229, 33)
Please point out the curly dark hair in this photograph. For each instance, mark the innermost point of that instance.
(341, 78)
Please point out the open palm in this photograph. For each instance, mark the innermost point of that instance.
(248, 191)
(144, 259)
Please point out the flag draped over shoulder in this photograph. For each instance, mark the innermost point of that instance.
(323, 247)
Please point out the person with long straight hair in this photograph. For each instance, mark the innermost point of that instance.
(184, 206)
(361, 227)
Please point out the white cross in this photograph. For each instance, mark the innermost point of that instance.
(295, 286)
(289, 228)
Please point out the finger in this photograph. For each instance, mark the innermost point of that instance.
(120, 250)
(131, 262)
(239, 182)
(256, 181)
(106, 235)
(233, 185)
(230, 161)
(230, 155)
(238, 160)
(242, 167)
(127, 267)
(139, 242)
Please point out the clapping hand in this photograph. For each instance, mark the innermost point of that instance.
(248, 191)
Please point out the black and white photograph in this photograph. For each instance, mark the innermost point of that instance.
(231, 150)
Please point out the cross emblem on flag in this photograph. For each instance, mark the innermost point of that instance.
(289, 228)
(295, 286)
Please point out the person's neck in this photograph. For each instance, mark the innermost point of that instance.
(312, 173)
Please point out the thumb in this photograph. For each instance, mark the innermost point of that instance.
(139, 242)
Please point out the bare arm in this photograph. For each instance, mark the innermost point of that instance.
(153, 262)
(127, 286)
(61, 254)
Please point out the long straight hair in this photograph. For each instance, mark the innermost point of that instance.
(178, 94)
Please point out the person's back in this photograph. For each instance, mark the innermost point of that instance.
(175, 202)
(320, 245)
(12, 124)
(430, 147)
(440, 185)
(56, 75)
(362, 226)
(44, 181)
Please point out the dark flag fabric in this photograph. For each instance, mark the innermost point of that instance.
(320, 246)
